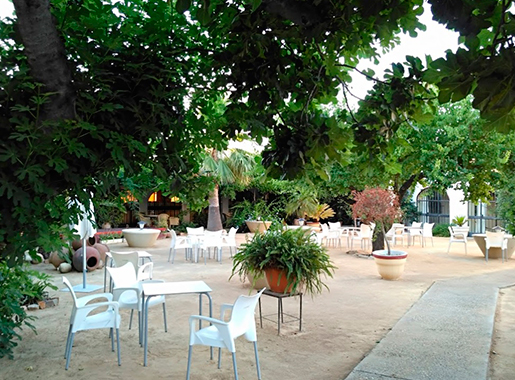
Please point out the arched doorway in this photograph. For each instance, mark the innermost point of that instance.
(433, 206)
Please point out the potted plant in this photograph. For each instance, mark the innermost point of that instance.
(258, 216)
(381, 207)
(459, 225)
(321, 211)
(290, 260)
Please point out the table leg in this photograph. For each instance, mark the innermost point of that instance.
(210, 313)
(260, 315)
(145, 335)
(279, 312)
(300, 313)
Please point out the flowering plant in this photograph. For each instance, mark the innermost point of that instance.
(376, 205)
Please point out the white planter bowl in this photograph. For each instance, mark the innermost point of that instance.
(390, 267)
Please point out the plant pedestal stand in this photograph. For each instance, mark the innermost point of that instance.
(280, 311)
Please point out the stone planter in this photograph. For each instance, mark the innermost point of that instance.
(260, 282)
(390, 267)
(258, 225)
(494, 253)
(141, 238)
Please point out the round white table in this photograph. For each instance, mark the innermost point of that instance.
(141, 238)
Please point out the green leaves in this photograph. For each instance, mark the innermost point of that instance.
(182, 6)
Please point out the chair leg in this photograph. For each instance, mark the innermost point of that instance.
(449, 247)
(189, 364)
(111, 334)
(257, 361)
(486, 255)
(170, 255)
(466, 253)
(118, 346)
(69, 351)
(164, 316)
(67, 341)
(234, 365)
(130, 319)
(219, 357)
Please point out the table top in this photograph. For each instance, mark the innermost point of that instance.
(176, 287)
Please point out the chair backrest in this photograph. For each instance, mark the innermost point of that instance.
(232, 233)
(124, 276)
(494, 239)
(195, 231)
(72, 292)
(395, 229)
(427, 229)
(416, 224)
(163, 217)
(365, 230)
(173, 238)
(334, 225)
(325, 228)
(242, 317)
(121, 258)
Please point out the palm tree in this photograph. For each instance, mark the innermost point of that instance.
(231, 166)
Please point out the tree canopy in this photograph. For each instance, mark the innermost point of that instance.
(89, 87)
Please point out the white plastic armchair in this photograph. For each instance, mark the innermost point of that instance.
(143, 272)
(427, 232)
(179, 242)
(230, 240)
(496, 240)
(415, 231)
(81, 319)
(457, 237)
(211, 239)
(223, 334)
(127, 291)
(395, 233)
(364, 235)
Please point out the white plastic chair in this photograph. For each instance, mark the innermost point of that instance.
(457, 237)
(395, 233)
(81, 319)
(364, 235)
(427, 232)
(496, 240)
(178, 242)
(127, 292)
(143, 271)
(230, 240)
(211, 239)
(222, 334)
(414, 232)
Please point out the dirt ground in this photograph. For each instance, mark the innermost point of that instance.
(339, 326)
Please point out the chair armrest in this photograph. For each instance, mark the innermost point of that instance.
(117, 292)
(145, 271)
(82, 301)
(224, 308)
(213, 321)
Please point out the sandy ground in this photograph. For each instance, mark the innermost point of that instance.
(339, 327)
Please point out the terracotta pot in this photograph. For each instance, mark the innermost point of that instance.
(55, 260)
(277, 281)
(102, 250)
(76, 244)
(92, 259)
(390, 267)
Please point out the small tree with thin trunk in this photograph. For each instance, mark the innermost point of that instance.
(379, 206)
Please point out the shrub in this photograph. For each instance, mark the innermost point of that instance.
(441, 230)
(19, 286)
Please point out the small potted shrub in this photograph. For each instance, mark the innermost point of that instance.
(381, 207)
(459, 225)
(290, 260)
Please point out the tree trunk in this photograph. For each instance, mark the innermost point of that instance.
(46, 56)
(378, 241)
(214, 218)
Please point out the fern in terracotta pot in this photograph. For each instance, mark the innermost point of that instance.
(302, 263)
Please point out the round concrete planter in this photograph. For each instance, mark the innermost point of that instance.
(258, 225)
(260, 282)
(141, 238)
(390, 267)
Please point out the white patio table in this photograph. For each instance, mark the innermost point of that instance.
(171, 288)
